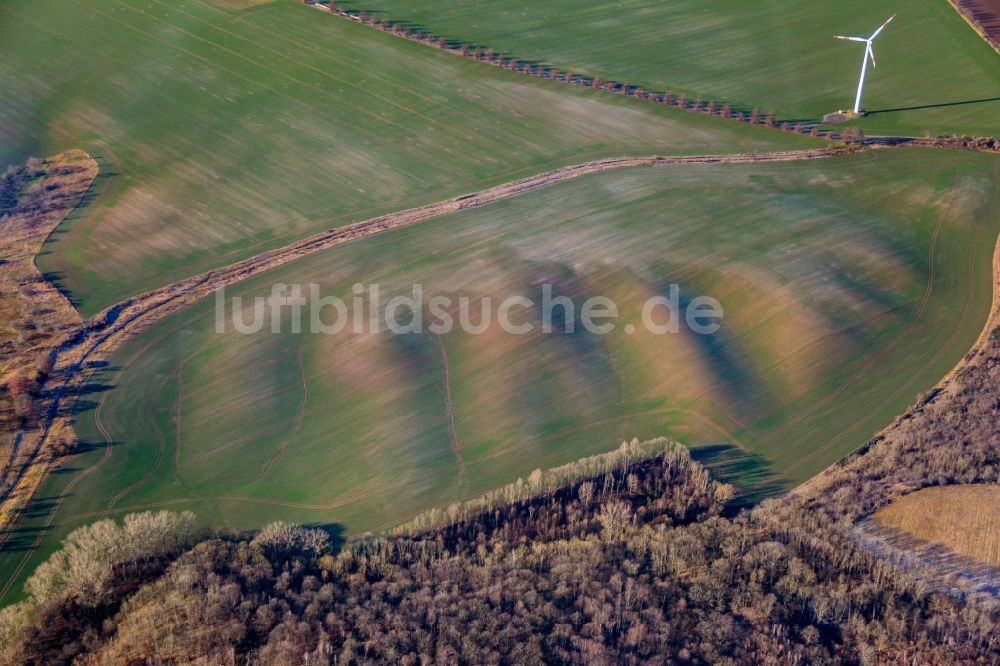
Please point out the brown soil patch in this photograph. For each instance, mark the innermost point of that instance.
(983, 16)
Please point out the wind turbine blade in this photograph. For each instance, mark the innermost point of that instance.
(852, 39)
(871, 54)
(882, 27)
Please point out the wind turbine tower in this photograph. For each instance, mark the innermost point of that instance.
(869, 53)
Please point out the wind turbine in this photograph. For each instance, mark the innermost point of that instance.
(869, 53)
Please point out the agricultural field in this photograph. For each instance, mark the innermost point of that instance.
(849, 285)
(964, 519)
(935, 74)
(227, 128)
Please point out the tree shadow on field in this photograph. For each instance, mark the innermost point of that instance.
(725, 359)
(57, 278)
(39, 507)
(934, 106)
(754, 478)
(334, 530)
(22, 538)
(85, 396)
(107, 172)
(81, 448)
(414, 27)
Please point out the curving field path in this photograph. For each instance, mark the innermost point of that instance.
(106, 332)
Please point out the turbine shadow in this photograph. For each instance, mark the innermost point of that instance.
(935, 106)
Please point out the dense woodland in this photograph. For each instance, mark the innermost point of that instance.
(625, 558)
(635, 561)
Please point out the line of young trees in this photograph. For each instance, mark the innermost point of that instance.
(754, 116)
(541, 70)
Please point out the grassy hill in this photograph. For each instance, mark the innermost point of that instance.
(849, 285)
(935, 74)
(224, 132)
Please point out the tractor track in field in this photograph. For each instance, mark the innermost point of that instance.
(450, 411)
(102, 335)
(966, 310)
(108, 330)
(108, 443)
(177, 426)
(161, 442)
(58, 503)
(873, 361)
(371, 492)
(298, 418)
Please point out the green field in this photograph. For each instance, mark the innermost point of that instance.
(224, 133)
(932, 68)
(849, 286)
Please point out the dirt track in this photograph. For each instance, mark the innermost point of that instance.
(109, 329)
(97, 338)
(106, 332)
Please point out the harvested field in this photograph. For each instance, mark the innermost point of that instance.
(881, 258)
(964, 519)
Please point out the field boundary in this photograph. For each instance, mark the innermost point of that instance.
(724, 110)
(824, 477)
(968, 14)
(530, 67)
(103, 334)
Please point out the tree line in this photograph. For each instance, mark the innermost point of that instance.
(753, 116)
(488, 55)
(633, 561)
